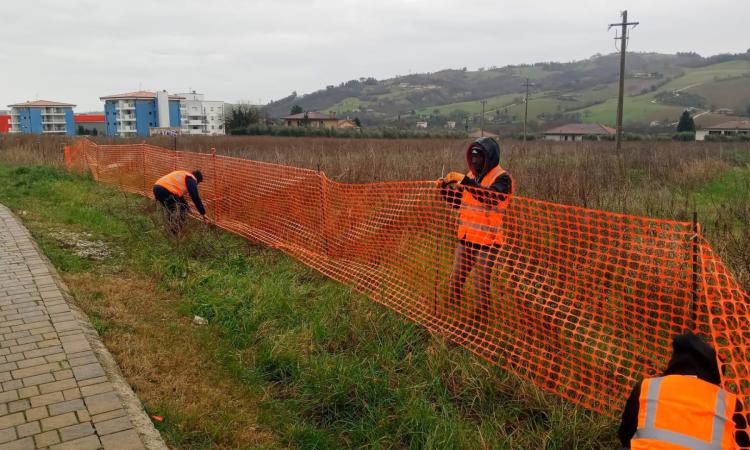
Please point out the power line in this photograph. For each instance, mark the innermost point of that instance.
(623, 38)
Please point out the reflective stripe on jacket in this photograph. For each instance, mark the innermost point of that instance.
(679, 412)
(481, 223)
(175, 182)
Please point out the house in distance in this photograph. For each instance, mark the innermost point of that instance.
(315, 119)
(576, 132)
(733, 128)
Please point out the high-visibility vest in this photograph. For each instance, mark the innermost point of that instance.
(478, 222)
(175, 182)
(679, 412)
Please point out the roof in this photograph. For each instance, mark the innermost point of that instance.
(582, 129)
(40, 103)
(137, 95)
(312, 115)
(88, 118)
(733, 125)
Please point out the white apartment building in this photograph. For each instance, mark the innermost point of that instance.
(199, 116)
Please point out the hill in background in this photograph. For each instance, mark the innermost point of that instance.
(658, 88)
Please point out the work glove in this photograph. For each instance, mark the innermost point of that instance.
(453, 177)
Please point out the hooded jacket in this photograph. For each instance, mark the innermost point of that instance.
(503, 183)
(690, 356)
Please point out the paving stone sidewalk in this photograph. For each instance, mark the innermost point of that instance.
(55, 393)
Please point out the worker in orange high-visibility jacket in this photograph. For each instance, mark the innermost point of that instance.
(481, 197)
(170, 191)
(685, 408)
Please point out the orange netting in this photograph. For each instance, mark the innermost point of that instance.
(582, 302)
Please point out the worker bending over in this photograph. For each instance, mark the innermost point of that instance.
(170, 191)
(480, 222)
(685, 408)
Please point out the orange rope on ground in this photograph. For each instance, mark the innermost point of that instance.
(582, 302)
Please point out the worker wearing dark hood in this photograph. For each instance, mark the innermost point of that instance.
(685, 407)
(482, 197)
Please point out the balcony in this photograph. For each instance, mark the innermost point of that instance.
(53, 112)
(198, 122)
(52, 121)
(53, 130)
(125, 106)
(126, 129)
(125, 118)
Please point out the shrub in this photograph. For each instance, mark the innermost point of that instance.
(684, 136)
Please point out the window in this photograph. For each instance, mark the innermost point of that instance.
(212, 109)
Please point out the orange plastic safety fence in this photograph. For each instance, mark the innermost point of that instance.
(582, 302)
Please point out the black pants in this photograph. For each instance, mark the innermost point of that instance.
(176, 208)
(480, 258)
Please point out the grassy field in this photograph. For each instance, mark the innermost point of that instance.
(703, 80)
(708, 74)
(290, 359)
(730, 93)
(641, 108)
(474, 107)
(718, 83)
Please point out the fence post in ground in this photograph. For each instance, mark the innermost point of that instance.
(143, 167)
(324, 212)
(695, 250)
(98, 153)
(67, 157)
(215, 176)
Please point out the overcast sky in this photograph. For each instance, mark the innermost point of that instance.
(78, 50)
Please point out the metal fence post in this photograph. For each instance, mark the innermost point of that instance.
(695, 250)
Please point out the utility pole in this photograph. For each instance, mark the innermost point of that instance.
(623, 46)
(526, 111)
(484, 102)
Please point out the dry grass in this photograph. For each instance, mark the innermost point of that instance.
(168, 360)
(653, 178)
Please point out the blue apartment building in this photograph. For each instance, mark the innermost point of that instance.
(42, 117)
(136, 113)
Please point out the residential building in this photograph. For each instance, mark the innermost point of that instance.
(92, 124)
(135, 113)
(732, 128)
(42, 117)
(421, 124)
(315, 119)
(4, 121)
(576, 132)
(199, 116)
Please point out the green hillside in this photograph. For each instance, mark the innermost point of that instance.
(723, 85)
(658, 88)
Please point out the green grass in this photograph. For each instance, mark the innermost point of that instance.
(336, 369)
(636, 109)
(347, 104)
(474, 106)
(708, 74)
(640, 108)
